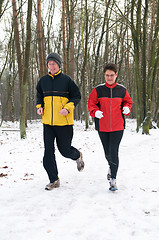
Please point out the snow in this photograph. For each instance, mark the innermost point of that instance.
(82, 208)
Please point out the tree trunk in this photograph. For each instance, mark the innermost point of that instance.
(26, 72)
(136, 31)
(64, 35)
(151, 74)
(71, 36)
(20, 64)
(84, 69)
(40, 34)
(100, 42)
(17, 44)
(23, 72)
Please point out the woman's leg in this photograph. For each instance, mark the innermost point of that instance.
(110, 142)
(115, 139)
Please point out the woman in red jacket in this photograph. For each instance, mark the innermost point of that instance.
(108, 103)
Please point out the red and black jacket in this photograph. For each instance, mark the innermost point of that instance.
(110, 99)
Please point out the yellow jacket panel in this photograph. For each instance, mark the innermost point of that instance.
(55, 93)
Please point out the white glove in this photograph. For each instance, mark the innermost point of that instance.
(99, 114)
(126, 110)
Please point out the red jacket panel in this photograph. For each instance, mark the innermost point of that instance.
(110, 100)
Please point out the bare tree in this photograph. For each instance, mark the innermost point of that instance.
(84, 66)
(71, 41)
(100, 40)
(22, 69)
(144, 70)
(3, 8)
(64, 35)
(40, 35)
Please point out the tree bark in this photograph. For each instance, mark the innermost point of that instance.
(40, 35)
(71, 47)
(151, 74)
(136, 31)
(100, 42)
(22, 70)
(64, 35)
(84, 69)
(26, 72)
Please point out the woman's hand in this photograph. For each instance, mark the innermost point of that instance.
(99, 114)
(126, 110)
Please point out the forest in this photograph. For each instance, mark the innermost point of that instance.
(87, 34)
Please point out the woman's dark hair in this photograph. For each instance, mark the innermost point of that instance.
(110, 66)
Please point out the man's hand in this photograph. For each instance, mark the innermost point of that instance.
(63, 112)
(40, 111)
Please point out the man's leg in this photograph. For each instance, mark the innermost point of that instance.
(49, 161)
(64, 135)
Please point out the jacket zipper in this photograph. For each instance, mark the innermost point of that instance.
(52, 108)
(111, 109)
(52, 111)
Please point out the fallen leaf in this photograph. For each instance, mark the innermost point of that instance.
(25, 179)
(3, 175)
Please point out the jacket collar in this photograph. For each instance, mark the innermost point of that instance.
(110, 86)
(54, 74)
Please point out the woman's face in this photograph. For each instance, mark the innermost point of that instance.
(110, 77)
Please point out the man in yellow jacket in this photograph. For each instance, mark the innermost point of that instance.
(57, 96)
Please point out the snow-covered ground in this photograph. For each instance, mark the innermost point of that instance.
(82, 208)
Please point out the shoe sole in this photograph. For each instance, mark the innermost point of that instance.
(113, 189)
(56, 185)
(49, 189)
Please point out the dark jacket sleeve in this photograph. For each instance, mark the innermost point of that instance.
(74, 93)
(40, 97)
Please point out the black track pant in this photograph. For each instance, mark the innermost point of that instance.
(63, 135)
(110, 142)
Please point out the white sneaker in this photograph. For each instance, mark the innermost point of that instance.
(80, 163)
(53, 185)
(113, 186)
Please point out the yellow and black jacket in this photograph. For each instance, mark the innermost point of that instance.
(55, 93)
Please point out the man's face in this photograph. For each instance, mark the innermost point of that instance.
(110, 76)
(53, 67)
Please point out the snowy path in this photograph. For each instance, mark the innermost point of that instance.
(82, 208)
